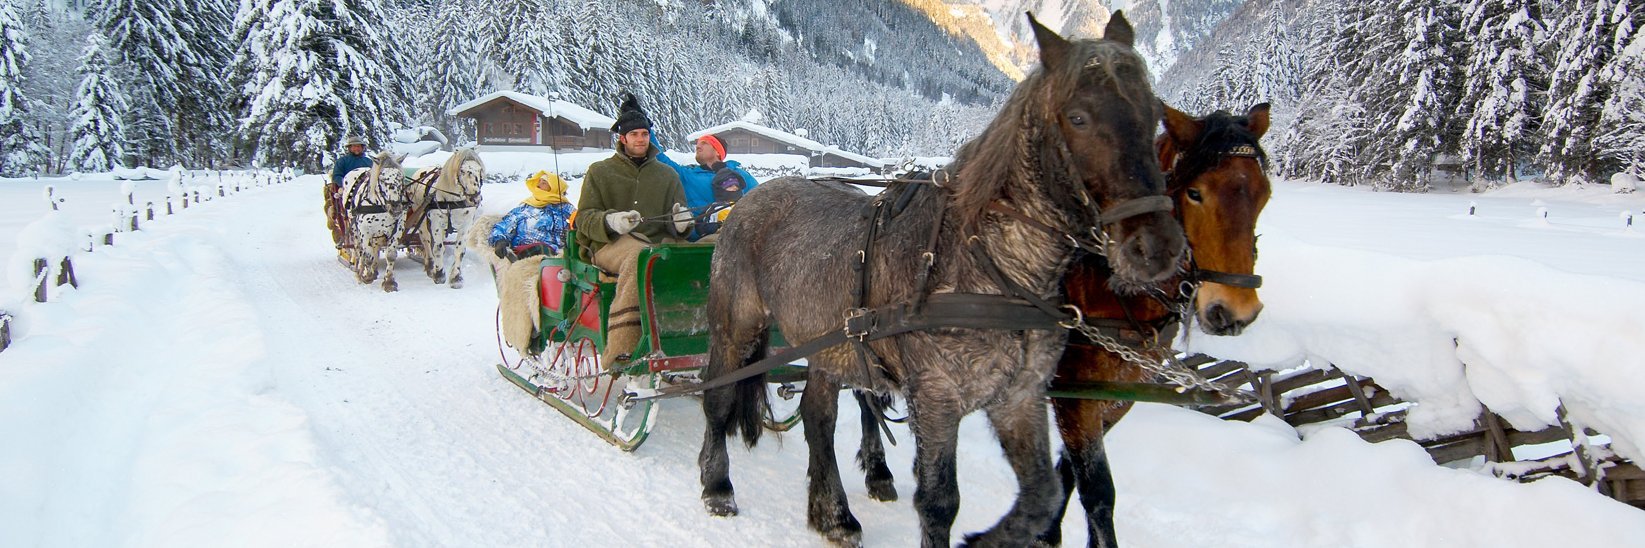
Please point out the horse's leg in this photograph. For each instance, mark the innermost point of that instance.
(1065, 472)
(435, 249)
(936, 424)
(871, 454)
(392, 251)
(738, 335)
(458, 249)
(1084, 463)
(1020, 424)
(828, 512)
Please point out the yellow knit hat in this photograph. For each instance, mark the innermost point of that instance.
(539, 197)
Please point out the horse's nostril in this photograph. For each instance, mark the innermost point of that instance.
(1218, 318)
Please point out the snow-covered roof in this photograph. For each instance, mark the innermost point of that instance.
(786, 137)
(577, 114)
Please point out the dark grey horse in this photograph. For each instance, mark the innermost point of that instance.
(1075, 137)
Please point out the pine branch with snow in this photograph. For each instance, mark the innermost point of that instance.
(98, 134)
(20, 149)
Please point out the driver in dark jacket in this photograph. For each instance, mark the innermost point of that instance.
(355, 159)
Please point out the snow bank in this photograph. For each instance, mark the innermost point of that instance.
(136, 412)
(138, 173)
(1623, 183)
(1187, 479)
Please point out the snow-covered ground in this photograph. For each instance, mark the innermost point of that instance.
(220, 380)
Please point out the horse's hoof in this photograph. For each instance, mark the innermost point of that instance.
(720, 505)
(977, 540)
(439, 278)
(390, 286)
(845, 531)
(457, 283)
(882, 490)
(851, 539)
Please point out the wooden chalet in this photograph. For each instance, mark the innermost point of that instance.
(513, 120)
(741, 137)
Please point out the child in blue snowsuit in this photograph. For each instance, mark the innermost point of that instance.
(538, 225)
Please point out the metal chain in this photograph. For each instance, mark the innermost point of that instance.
(1158, 360)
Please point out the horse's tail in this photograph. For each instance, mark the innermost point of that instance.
(739, 335)
(749, 406)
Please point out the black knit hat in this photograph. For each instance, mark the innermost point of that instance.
(630, 117)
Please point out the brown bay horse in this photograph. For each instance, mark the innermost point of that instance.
(1068, 157)
(1216, 179)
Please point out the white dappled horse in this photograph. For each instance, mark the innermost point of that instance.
(445, 201)
(373, 199)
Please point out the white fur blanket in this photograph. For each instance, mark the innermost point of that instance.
(516, 285)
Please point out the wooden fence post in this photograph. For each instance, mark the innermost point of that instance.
(66, 274)
(151, 211)
(40, 274)
(1593, 475)
(108, 238)
(5, 331)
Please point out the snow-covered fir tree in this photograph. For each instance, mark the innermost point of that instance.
(321, 71)
(150, 39)
(1504, 78)
(456, 67)
(98, 136)
(1576, 92)
(1427, 88)
(1622, 137)
(20, 150)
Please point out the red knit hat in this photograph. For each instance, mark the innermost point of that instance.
(715, 142)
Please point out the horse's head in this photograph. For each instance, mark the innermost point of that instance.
(386, 170)
(1099, 114)
(1220, 187)
(468, 170)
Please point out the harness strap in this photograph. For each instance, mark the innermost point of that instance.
(1249, 281)
(941, 311)
(449, 205)
(1134, 207)
(1010, 287)
(366, 209)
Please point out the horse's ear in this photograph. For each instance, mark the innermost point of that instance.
(1053, 48)
(1119, 30)
(1183, 129)
(1257, 120)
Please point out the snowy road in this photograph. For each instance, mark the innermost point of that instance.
(221, 380)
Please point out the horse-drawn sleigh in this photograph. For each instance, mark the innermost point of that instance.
(387, 209)
(947, 292)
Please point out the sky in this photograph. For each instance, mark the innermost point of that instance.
(219, 379)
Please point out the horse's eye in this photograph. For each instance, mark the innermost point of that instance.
(1076, 119)
(1193, 195)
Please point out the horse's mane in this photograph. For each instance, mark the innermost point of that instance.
(451, 171)
(383, 161)
(985, 165)
(1222, 133)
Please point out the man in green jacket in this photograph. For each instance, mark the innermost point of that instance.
(629, 201)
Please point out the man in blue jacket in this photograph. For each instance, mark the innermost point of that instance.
(355, 159)
(712, 179)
